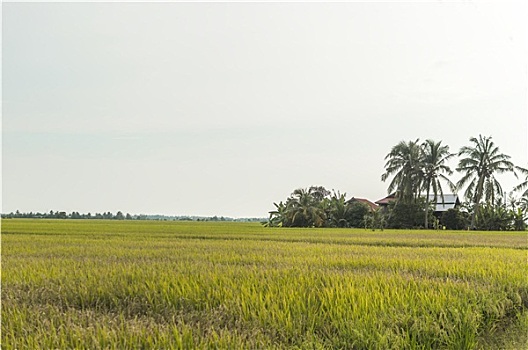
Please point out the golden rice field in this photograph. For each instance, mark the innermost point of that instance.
(77, 284)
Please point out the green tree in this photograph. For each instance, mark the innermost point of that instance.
(519, 219)
(454, 219)
(278, 217)
(494, 217)
(337, 211)
(523, 186)
(358, 212)
(482, 160)
(375, 220)
(319, 193)
(406, 215)
(305, 210)
(404, 162)
(435, 157)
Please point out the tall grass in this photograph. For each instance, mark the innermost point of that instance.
(115, 285)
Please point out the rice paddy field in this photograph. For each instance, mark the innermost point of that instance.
(77, 284)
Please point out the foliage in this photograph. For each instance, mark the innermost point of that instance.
(493, 218)
(338, 211)
(375, 220)
(317, 207)
(358, 211)
(215, 285)
(404, 161)
(498, 217)
(519, 217)
(304, 208)
(523, 186)
(482, 161)
(434, 159)
(406, 215)
(417, 169)
(454, 219)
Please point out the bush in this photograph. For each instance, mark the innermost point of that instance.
(406, 215)
(454, 219)
(357, 212)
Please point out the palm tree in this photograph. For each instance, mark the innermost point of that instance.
(523, 203)
(404, 161)
(482, 160)
(304, 209)
(338, 211)
(278, 217)
(435, 157)
(523, 185)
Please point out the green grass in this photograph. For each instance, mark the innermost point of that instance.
(164, 285)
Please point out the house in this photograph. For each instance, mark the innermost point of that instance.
(450, 201)
(384, 202)
(369, 204)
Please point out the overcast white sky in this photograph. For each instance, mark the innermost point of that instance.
(225, 108)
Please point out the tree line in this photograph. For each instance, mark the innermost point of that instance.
(120, 216)
(73, 215)
(419, 171)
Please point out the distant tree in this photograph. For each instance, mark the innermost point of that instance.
(337, 211)
(128, 216)
(482, 160)
(358, 211)
(406, 215)
(119, 216)
(375, 220)
(319, 193)
(280, 217)
(404, 162)
(523, 186)
(434, 165)
(454, 219)
(305, 210)
(519, 217)
(492, 217)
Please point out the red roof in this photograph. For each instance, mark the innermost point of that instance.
(385, 201)
(371, 205)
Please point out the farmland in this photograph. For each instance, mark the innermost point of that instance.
(136, 284)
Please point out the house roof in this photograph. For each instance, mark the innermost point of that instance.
(449, 201)
(386, 200)
(447, 198)
(371, 205)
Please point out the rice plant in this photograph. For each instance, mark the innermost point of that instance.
(180, 285)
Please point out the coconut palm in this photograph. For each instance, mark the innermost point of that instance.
(304, 209)
(482, 161)
(404, 161)
(523, 203)
(338, 211)
(523, 185)
(435, 157)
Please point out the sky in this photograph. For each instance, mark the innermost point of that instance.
(224, 108)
